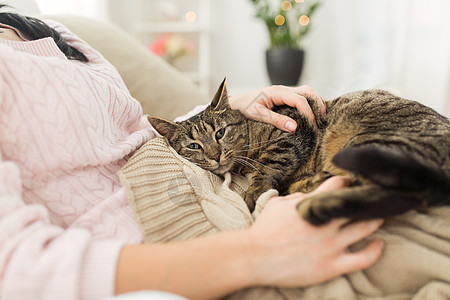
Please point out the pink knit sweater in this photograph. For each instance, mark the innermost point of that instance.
(66, 127)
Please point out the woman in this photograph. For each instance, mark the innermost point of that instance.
(67, 125)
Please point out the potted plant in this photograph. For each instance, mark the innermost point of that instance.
(288, 22)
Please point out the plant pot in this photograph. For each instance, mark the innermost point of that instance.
(284, 65)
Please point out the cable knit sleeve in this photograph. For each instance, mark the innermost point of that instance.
(39, 260)
(66, 128)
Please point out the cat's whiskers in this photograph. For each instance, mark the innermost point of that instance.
(246, 163)
(258, 145)
(255, 161)
(251, 149)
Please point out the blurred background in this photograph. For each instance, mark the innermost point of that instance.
(402, 46)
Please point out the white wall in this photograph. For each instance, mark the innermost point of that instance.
(23, 6)
(87, 8)
(238, 43)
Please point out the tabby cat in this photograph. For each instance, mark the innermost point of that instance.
(396, 151)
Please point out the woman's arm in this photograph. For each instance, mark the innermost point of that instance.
(280, 249)
(39, 260)
(258, 104)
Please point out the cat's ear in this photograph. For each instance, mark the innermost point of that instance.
(164, 127)
(221, 97)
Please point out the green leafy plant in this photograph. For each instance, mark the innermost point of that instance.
(287, 21)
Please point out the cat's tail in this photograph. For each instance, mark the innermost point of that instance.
(394, 169)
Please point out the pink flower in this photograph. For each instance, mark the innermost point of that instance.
(171, 47)
(158, 46)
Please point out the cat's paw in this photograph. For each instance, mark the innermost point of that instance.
(250, 201)
(357, 203)
(321, 209)
(253, 193)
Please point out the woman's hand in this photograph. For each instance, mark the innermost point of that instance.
(258, 104)
(288, 251)
(279, 249)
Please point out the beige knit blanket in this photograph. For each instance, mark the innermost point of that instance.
(176, 200)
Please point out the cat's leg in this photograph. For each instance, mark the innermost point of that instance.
(393, 182)
(357, 203)
(395, 169)
(258, 184)
(309, 184)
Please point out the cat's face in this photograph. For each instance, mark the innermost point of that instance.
(215, 139)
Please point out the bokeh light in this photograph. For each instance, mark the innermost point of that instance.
(286, 5)
(190, 16)
(279, 20)
(304, 20)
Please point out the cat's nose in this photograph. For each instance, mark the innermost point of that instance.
(216, 157)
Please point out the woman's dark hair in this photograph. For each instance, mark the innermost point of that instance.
(34, 29)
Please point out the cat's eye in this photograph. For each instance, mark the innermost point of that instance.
(220, 133)
(194, 146)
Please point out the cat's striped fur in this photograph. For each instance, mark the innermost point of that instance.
(396, 151)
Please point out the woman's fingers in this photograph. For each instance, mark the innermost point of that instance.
(354, 232)
(331, 184)
(288, 96)
(258, 105)
(311, 93)
(283, 95)
(303, 106)
(281, 121)
(351, 262)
